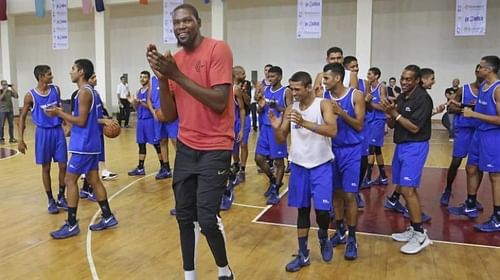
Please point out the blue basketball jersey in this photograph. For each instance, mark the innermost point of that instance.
(346, 134)
(377, 98)
(40, 103)
(84, 139)
(236, 109)
(271, 96)
(468, 98)
(486, 104)
(361, 85)
(142, 111)
(155, 92)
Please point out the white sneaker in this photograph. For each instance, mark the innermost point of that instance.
(416, 243)
(404, 236)
(108, 175)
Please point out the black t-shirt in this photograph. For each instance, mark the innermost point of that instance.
(391, 93)
(418, 109)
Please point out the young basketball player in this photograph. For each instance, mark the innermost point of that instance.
(334, 55)
(349, 105)
(50, 143)
(85, 147)
(245, 88)
(311, 123)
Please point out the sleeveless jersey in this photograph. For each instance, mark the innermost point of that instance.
(40, 103)
(271, 96)
(86, 139)
(468, 97)
(346, 134)
(143, 112)
(377, 98)
(486, 104)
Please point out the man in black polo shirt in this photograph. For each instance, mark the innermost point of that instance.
(410, 117)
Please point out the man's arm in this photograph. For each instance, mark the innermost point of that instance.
(486, 118)
(84, 104)
(383, 95)
(241, 105)
(454, 107)
(28, 103)
(317, 87)
(14, 91)
(359, 109)
(281, 125)
(149, 104)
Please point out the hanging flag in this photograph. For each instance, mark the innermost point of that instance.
(60, 28)
(168, 25)
(87, 7)
(99, 5)
(3, 9)
(40, 8)
(143, 2)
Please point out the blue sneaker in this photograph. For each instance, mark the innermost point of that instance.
(338, 239)
(84, 194)
(326, 249)
(395, 206)
(173, 212)
(92, 197)
(62, 203)
(492, 225)
(269, 189)
(479, 206)
(52, 207)
(111, 221)
(351, 249)
(242, 176)
(379, 181)
(462, 210)
(299, 262)
(163, 174)
(425, 218)
(227, 201)
(365, 184)
(273, 198)
(66, 231)
(359, 201)
(445, 198)
(137, 172)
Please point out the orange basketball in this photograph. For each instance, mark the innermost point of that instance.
(160, 116)
(111, 131)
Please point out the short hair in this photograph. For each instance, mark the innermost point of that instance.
(376, 71)
(334, 50)
(348, 59)
(302, 77)
(122, 77)
(276, 69)
(268, 65)
(40, 70)
(392, 79)
(426, 72)
(449, 90)
(145, 72)
(335, 68)
(87, 67)
(415, 69)
(493, 61)
(188, 7)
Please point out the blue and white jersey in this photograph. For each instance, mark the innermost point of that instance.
(143, 112)
(486, 104)
(86, 139)
(361, 85)
(40, 103)
(277, 97)
(377, 98)
(468, 98)
(346, 134)
(155, 92)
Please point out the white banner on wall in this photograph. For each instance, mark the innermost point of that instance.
(309, 19)
(60, 28)
(168, 26)
(470, 18)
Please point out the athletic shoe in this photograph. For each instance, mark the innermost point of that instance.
(173, 212)
(62, 203)
(445, 198)
(269, 189)
(104, 223)
(395, 206)
(13, 140)
(91, 197)
(242, 176)
(84, 194)
(417, 243)
(108, 175)
(492, 225)
(351, 249)
(359, 201)
(326, 249)
(338, 239)
(230, 277)
(462, 210)
(137, 172)
(404, 236)
(379, 181)
(298, 262)
(52, 207)
(273, 198)
(163, 174)
(425, 218)
(365, 184)
(66, 231)
(227, 201)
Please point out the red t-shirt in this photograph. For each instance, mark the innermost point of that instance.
(201, 128)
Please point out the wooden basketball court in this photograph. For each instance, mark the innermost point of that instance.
(146, 243)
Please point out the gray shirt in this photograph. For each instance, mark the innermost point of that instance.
(6, 101)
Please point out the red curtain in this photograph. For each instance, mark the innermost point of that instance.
(3, 9)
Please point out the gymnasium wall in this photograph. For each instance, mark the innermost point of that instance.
(262, 31)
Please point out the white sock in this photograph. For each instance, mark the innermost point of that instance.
(224, 271)
(190, 275)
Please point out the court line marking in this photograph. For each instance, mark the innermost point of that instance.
(90, 259)
(14, 155)
(249, 206)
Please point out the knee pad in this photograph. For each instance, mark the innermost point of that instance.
(157, 148)
(371, 150)
(322, 218)
(378, 151)
(142, 149)
(303, 220)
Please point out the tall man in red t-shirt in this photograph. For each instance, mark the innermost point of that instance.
(195, 85)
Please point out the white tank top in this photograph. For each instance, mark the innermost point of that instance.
(310, 149)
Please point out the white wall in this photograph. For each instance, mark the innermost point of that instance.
(1, 74)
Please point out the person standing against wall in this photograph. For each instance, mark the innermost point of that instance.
(123, 93)
(7, 92)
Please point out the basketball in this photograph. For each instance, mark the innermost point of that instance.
(111, 131)
(160, 116)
